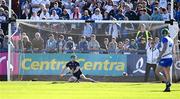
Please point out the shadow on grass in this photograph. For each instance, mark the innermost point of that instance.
(134, 84)
(58, 82)
(162, 91)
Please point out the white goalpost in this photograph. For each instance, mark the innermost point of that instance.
(9, 44)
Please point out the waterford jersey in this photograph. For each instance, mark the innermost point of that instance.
(168, 52)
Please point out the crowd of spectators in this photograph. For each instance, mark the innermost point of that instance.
(97, 9)
(91, 9)
(66, 44)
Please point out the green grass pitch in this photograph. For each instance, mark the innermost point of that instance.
(86, 90)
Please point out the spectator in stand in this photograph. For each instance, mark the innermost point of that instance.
(143, 33)
(54, 15)
(114, 11)
(109, 6)
(69, 6)
(62, 28)
(142, 46)
(154, 4)
(112, 46)
(76, 15)
(83, 45)
(145, 6)
(57, 9)
(34, 16)
(177, 15)
(61, 44)
(140, 1)
(133, 45)
(37, 43)
(44, 14)
(65, 15)
(165, 14)
(120, 15)
(163, 3)
(1, 38)
(94, 46)
(138, 11)
(126, 29)
(70, 45)
(46, 3)
(80, 4)
(86, 6)
(161, 11)
(106, 16)
(120, 47)
(105, 45)
(122, 6)
(178, 3)
(60, 4)
(5, 44)
(169, 9)
(87, 31)
(3, 5)
(26, 14)
(13, 15)
(3, 19)
(6, 12)
(93, 6)
(97, 15)
(36, 5)
(114, 29)
(130, 13)
(51, 44)
(144, 15)
(129, 2)
(126, 44)
(25, 45)
(156, 16)
(101, 6)
(24, 4)
(41, 9)
(18, 40)
(86, 16)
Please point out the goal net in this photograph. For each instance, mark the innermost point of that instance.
(106, 50)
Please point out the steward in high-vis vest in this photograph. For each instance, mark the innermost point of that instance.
(143, 33)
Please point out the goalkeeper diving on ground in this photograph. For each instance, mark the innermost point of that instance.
(77, 74)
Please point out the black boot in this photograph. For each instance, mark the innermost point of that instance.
(168, 85)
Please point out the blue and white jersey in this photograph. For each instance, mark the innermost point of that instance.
(168, 52)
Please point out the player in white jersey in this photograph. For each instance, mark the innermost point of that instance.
(165, 59)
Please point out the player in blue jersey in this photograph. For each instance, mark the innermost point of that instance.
(165, 59)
